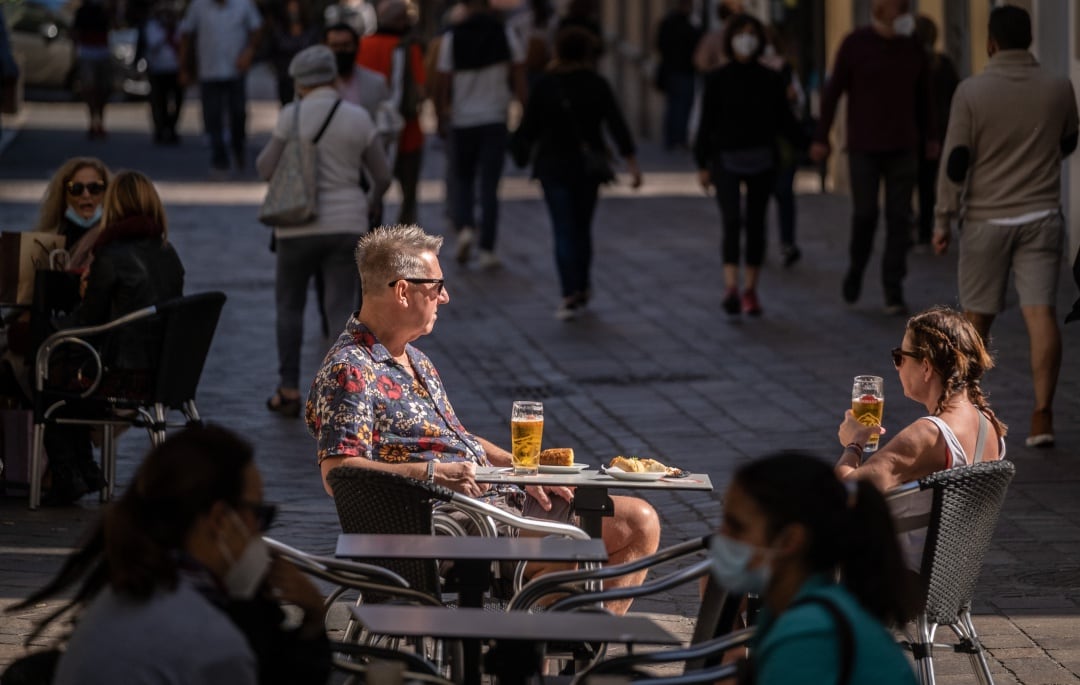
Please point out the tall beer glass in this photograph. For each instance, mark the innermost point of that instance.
(526, 433)
(868, 405)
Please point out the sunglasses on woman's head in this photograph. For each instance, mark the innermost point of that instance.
(75, 189)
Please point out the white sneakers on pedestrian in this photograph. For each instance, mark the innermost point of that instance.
(487, 259)
(465, 239)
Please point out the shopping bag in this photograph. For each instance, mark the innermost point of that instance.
(21, 255)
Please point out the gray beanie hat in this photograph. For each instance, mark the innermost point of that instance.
(314, 66)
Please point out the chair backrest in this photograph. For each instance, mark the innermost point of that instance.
(380, 503)
(55, 293)
(966, 503)
(187, 328)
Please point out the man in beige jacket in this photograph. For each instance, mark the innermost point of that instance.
(1009, 129)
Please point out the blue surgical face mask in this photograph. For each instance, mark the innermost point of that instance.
(79, 220)
(730, 562)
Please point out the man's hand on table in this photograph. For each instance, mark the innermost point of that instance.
(542, 494)
(459, 476)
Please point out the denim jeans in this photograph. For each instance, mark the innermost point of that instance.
(729, 196)
(679, 88)
(297, 261)
(571, 204)
(479, 151)
(217, 98)
(899, 171)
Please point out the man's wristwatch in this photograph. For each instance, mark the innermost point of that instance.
(431, 472)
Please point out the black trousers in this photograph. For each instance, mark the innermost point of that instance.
(166, 98)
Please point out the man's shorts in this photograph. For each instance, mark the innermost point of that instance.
(1033, 252)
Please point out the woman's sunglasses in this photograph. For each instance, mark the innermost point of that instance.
(898, 355)
(264, 513)
(75, 189)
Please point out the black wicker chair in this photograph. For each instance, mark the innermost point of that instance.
(964, 512)
(183, 328)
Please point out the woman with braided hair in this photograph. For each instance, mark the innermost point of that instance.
(940, 363)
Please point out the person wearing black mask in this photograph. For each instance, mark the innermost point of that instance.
(356, 84)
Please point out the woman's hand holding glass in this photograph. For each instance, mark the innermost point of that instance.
(851, 431)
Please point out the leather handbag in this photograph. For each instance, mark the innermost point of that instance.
(291, 196)
(22, 254)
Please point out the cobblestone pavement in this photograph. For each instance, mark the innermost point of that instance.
(654, 368)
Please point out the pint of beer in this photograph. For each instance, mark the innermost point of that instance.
(868, 405)
(526, 433)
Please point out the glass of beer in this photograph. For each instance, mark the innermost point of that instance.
(868, 405)
(526, 432)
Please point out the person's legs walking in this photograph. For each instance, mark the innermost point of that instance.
(342, 283)
(159, 95)
(407, 172)
(680, 100)
(174, 103)
(900, 171)
(928, 170)
(465, 159)
(585, 197)
(559, 201)
(865, 175)
(237, 99)
(492, 156)
(297, 259)
(758, 189)
(212, 94)
(784, 189)
(730, 201)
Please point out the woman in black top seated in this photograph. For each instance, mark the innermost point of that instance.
(743, 110)
(133, 266)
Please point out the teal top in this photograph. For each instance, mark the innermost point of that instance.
(803, 644)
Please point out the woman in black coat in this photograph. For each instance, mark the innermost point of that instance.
(562, 132)
(744, 110)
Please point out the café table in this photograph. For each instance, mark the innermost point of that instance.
(591, 500)
(472, 557)
(518, 636)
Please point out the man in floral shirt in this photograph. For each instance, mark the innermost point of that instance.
(378, 402)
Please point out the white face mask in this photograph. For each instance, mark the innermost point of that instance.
(246, 573)
(730, 561)
(79, 220)
(904, 25)
(744, 44)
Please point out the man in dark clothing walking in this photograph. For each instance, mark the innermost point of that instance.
(884, 72)
(676, 40)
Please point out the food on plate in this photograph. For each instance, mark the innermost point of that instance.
(557, 456)
(643, 465)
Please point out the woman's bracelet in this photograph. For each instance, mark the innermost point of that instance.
(854, 445)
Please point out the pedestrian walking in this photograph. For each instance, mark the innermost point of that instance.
(744, 109)
(481, 69)
(1009, 129)
(160, 43)
(359, 85)
(290, 31)
(943, 82)
(9, 71)
(676, 40)
(535, 28)
(347, 146)
(223, 34)
(561, 130)
(884, 72)
(90, 31)
(709, 53)
(787, 155)
(394, 53)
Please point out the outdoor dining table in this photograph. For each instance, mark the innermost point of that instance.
(517, 635)
(591, 500)
(472, 557)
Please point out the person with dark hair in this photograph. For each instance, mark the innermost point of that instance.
(1009, 129)
(176, 584)
(709, 53)
(743, 111)
(90, 31)
(789, 529)
(940, 363)
(569, 109)
(676, 39)
(884, 73)
(943, 82)
(289, 31)
(481, 68)
(159, 39)
(584, 14)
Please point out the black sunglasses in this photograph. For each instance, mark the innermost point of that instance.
(264, 513)
(76, 189)
(441, 282)
(898, 355)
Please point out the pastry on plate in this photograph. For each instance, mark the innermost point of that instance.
(557, 456)
(644, 465)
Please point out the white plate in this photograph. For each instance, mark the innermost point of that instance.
(648, 476)
(550, 468)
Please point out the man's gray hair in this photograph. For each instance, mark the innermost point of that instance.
(390, 252)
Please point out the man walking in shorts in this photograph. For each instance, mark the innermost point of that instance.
(1009, 129)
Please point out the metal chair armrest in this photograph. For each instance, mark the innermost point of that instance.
(469, 504)
(418, 669)
(702, 650)
(650, 587)
(548, 583)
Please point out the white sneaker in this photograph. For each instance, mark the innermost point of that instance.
(488, 259)
(566, 312)
(464, 244)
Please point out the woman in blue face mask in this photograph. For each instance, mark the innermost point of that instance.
(73, 201)
(789, 526)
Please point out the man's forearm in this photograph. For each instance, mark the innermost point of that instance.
(496, 455)
(415, 470)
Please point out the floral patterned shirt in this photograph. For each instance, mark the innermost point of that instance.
(363, 403)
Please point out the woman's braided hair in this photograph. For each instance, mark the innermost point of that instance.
(946, 339)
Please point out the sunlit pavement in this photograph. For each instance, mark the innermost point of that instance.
(654, 368)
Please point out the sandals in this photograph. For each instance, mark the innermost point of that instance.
(286, 406)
